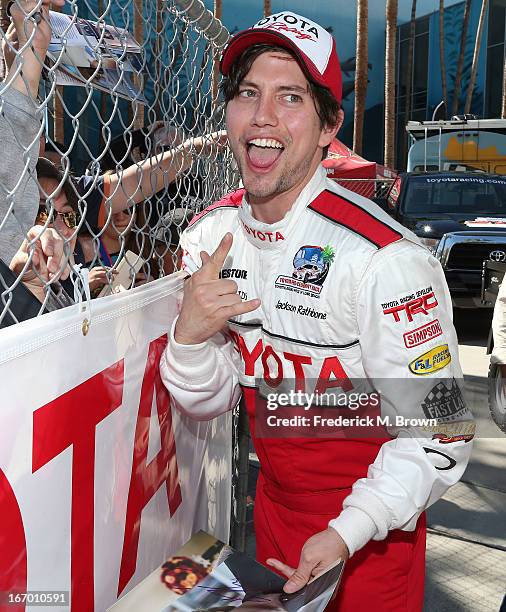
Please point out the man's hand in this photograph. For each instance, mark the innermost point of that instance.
(318, 553)
(209, 301)
(48, 261)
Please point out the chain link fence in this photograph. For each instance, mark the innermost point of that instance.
(110, 124)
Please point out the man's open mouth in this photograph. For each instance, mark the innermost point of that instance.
(264, 152)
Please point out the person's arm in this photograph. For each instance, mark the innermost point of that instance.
(499, 329)
(414, 469)
(199, 365)
(32, 43)
(140, 181)
(20, 128)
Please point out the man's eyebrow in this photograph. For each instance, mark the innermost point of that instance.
(297, 88)
(293, 88)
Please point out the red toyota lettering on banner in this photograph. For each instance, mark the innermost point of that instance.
(13, 547)
(147, 478)
(71, 420)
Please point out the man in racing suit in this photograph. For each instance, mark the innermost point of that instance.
(313, 287)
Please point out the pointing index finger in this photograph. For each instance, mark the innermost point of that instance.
(214, 263)
(219, 256)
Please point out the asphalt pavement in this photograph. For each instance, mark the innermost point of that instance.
(466, 541)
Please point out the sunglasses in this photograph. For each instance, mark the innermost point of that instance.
(71, 218)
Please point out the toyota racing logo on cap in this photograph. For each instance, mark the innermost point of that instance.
(287, 22)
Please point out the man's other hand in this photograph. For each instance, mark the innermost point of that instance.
(208, 300)
(318, 553)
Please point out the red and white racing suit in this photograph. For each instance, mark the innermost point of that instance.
(347, 295)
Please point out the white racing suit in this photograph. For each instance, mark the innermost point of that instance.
(349, 297)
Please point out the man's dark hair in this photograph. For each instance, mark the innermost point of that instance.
(46, 169)
(327, 107)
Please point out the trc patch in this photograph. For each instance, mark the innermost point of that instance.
(419, 302)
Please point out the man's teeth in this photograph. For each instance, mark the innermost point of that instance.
(266, 142)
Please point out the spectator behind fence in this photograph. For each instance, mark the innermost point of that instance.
(20, 124)
(52, 150)
(64, 217)
(103, 194)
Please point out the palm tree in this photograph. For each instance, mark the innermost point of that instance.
(267, 8)
(409, 63)
(442, 52)
(139, 37)
(391, 32)
(361, 74)
(218, 11)
(474, 67)
(503, 105)
(460, 64)
(408, 79)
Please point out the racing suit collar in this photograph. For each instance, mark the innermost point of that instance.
(273, 235)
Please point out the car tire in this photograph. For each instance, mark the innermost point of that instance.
(497, 396)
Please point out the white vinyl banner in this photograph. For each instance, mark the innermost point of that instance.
(100, 480)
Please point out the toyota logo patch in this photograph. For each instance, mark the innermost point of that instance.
(497, 256)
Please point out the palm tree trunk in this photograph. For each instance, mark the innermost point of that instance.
(409, 63)
(474, 68)
(218, 11)
(391, 32)
(361, 74)
(409, 82)
(139, 37)
(267, 8)
(442, 52)
(460, 64)
(503, 105)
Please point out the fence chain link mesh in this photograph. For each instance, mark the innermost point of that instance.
(123, 97)
(128, 108)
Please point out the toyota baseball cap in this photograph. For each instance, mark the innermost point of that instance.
(311, 44)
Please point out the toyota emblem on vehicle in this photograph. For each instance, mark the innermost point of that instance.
(497, 256)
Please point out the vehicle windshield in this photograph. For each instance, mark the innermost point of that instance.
(468, 195)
